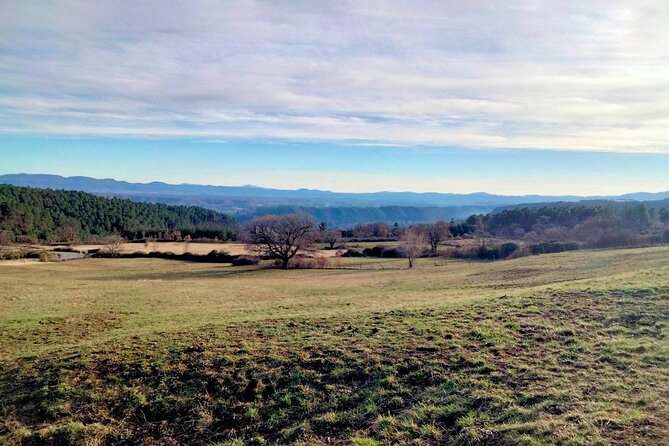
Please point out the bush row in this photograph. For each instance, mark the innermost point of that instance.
(212, 257)
(18, 254)
(552, 247)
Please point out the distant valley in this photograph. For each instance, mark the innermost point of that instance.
(337, 208)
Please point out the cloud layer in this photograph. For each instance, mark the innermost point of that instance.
(591, 75)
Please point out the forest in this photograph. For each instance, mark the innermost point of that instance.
(28, 214)
(603, 225)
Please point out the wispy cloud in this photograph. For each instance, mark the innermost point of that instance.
(591, 75)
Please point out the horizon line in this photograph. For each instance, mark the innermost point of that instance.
(337, 192)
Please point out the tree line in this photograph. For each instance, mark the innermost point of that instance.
(28, 214)
(598, 226)
(545, 229)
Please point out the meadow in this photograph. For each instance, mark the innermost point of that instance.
(174, 247)
(566, 348)
(199, 248)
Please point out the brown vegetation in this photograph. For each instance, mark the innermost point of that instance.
(281, 237)
(412, 244)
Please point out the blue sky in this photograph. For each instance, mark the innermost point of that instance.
(501, 96)
(338, 167)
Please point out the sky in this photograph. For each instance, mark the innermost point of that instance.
(447, 96)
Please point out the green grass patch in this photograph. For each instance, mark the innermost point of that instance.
(154, 352)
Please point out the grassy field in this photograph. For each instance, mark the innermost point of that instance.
(568, 348)
(233, 248)
(175, 247)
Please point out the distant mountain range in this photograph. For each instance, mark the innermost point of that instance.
(341, 208)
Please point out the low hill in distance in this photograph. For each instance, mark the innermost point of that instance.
(234, 199)
(613, 204)
(345, 217)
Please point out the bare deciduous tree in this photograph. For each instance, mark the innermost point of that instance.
(436, 233)
(370, 231)
(113, 245)
(6, 238)
(412, 244)
(480, 233)
(71, 231)
(331, 237)
(281, 236)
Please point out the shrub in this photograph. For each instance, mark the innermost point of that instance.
(552, 247)
(506, 249)
(297, 263)
(213, 257)
(665, 236)
(617, 238)
(64, 249)
(382, 251)
(46, 256)
(322, 262)
(12, 255)
(27, 239)
(303, 262)
(217, 257)
(487, 253)
(245, 261)
(353, 253)
(497, 252)
(373, 252)
(6, 238)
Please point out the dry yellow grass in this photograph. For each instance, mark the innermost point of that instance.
(175, 247)
(232, 248)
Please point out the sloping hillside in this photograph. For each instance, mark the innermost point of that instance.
(55, 214)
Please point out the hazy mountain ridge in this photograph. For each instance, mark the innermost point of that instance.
(242, 198)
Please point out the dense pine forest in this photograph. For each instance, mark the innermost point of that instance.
(601, 225)
(55, 215)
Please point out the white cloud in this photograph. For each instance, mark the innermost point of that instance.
(589, 75)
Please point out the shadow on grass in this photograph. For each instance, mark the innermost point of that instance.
(177, 274)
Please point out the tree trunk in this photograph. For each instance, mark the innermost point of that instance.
(284, 265)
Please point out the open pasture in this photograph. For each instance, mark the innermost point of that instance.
(232, 248)
(567, 348)
(174, 247)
